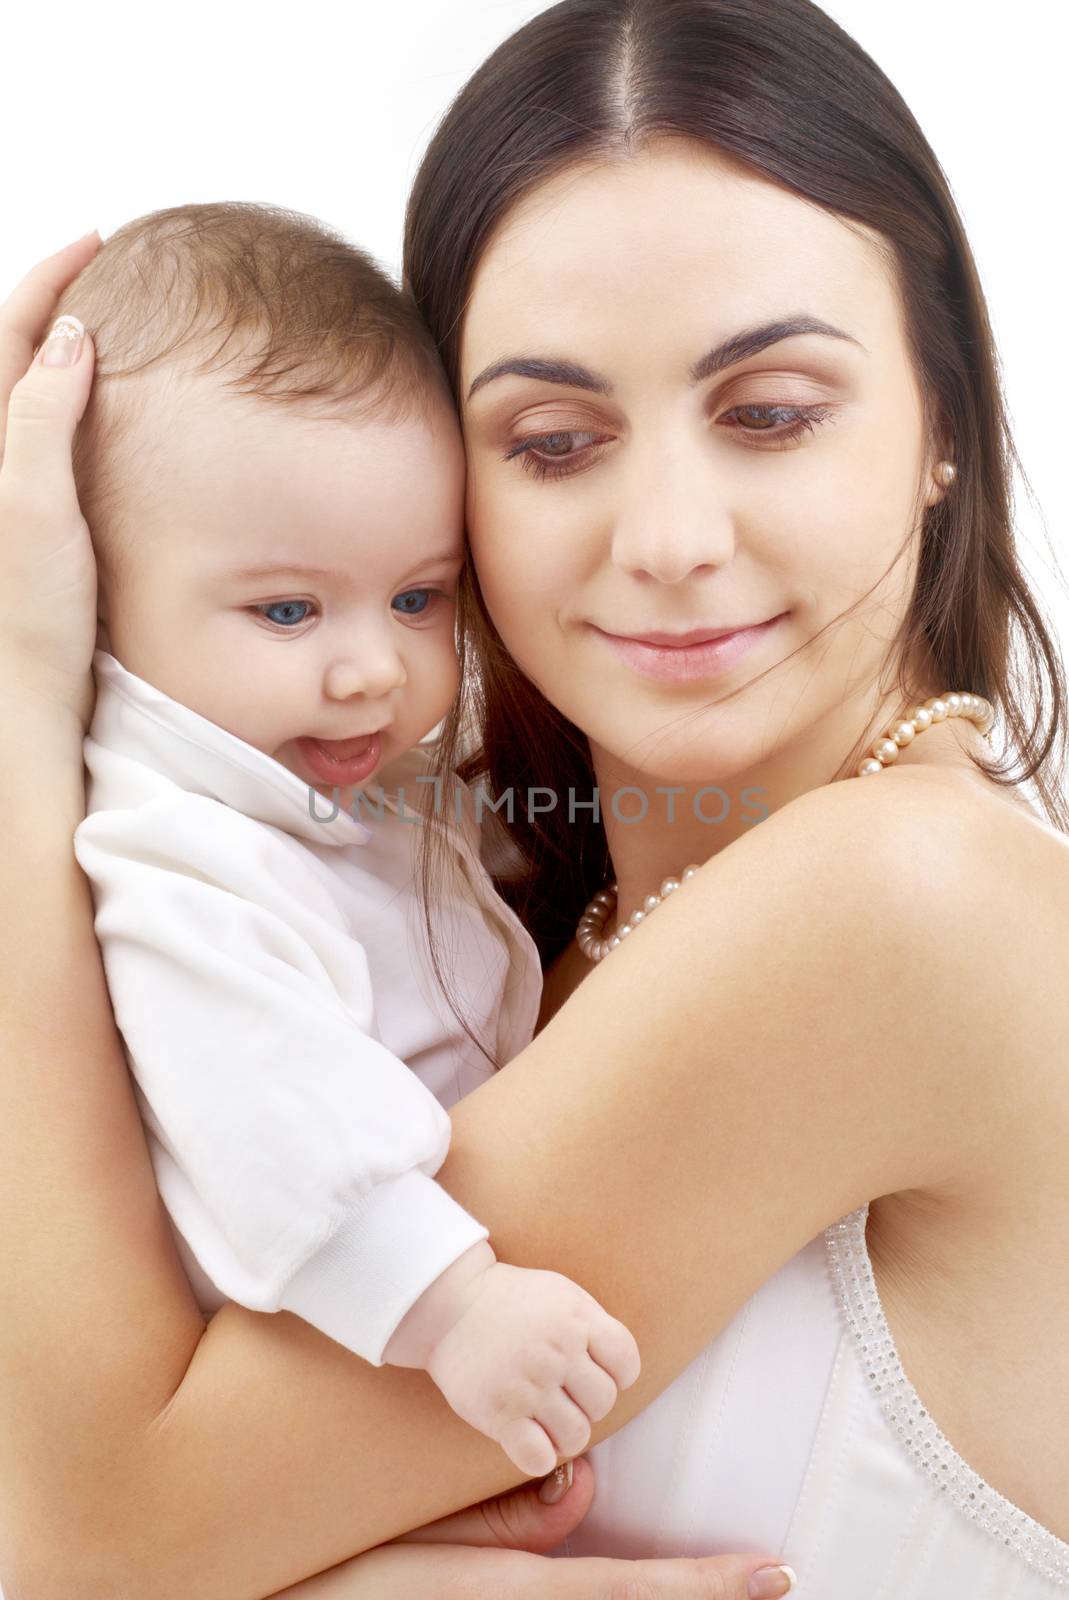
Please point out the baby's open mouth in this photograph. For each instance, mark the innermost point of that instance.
(341, 761)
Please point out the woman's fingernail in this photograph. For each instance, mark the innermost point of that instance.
(64, 343)
(556, 1486)
(769, 1583)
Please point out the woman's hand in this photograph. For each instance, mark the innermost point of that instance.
(442, 1561)
(46, 558)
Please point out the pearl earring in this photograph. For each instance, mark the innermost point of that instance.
(945, 473)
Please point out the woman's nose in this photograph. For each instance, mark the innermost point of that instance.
(374, 670)
(671, 524)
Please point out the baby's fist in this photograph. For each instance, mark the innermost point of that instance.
(532, 1362)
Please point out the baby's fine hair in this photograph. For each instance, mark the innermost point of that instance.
(275, 303)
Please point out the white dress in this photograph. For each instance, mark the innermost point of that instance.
(797, 1432)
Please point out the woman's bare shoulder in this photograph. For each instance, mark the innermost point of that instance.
(965, 876)
(939, 816)
(927, 914)
(971, 835)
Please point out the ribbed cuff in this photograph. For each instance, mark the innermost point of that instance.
(374, 1268)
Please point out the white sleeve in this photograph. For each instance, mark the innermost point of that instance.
(295, 1153)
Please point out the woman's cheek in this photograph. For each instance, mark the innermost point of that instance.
(518, 560)
(550, 535)
(534, 600)
(513, 608)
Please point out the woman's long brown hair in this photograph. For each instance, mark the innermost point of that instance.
(778, 85)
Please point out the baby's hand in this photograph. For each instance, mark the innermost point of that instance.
(532, 1362)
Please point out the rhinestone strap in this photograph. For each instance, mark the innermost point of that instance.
(851, 1270)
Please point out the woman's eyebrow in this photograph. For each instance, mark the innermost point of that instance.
(736, 347)
(566, 372)
(751, 341)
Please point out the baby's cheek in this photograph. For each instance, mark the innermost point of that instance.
(444, 676)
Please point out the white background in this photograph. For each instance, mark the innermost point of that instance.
(113, 109)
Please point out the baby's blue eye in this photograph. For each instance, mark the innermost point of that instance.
(412, 601)
(288, 606)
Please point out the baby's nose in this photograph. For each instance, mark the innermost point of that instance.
(373, 672)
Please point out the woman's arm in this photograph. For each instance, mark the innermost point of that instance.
(717, 1091)
(495, 1558)
(65, 1102)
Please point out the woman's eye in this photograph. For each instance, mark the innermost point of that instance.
(289, 607)
(415, 602)
(569, 450)
(777, 423)
(554, 455)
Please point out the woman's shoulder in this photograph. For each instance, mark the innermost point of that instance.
(906, 935)
(939, 821)
(937, 870)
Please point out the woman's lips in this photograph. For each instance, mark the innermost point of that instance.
(342, 762)
(694, 658)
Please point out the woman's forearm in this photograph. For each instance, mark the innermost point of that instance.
(83, 1236)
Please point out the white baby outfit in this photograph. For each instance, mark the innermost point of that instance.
(269, 971)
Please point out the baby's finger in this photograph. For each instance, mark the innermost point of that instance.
(529, 1447)
(27, 311)
(566, 1424)
(592, 1389)
(613, 1347)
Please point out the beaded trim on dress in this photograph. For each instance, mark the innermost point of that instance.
(852, 1274)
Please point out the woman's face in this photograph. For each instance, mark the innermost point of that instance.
(657, 446)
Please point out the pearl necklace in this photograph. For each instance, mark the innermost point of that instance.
(590, 934)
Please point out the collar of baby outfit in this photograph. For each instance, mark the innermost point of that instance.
(133, 717)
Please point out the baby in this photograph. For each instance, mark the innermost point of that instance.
(273, 475)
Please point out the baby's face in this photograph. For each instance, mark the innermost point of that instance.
(359, 653)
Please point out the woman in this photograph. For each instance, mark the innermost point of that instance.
(644, 187)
